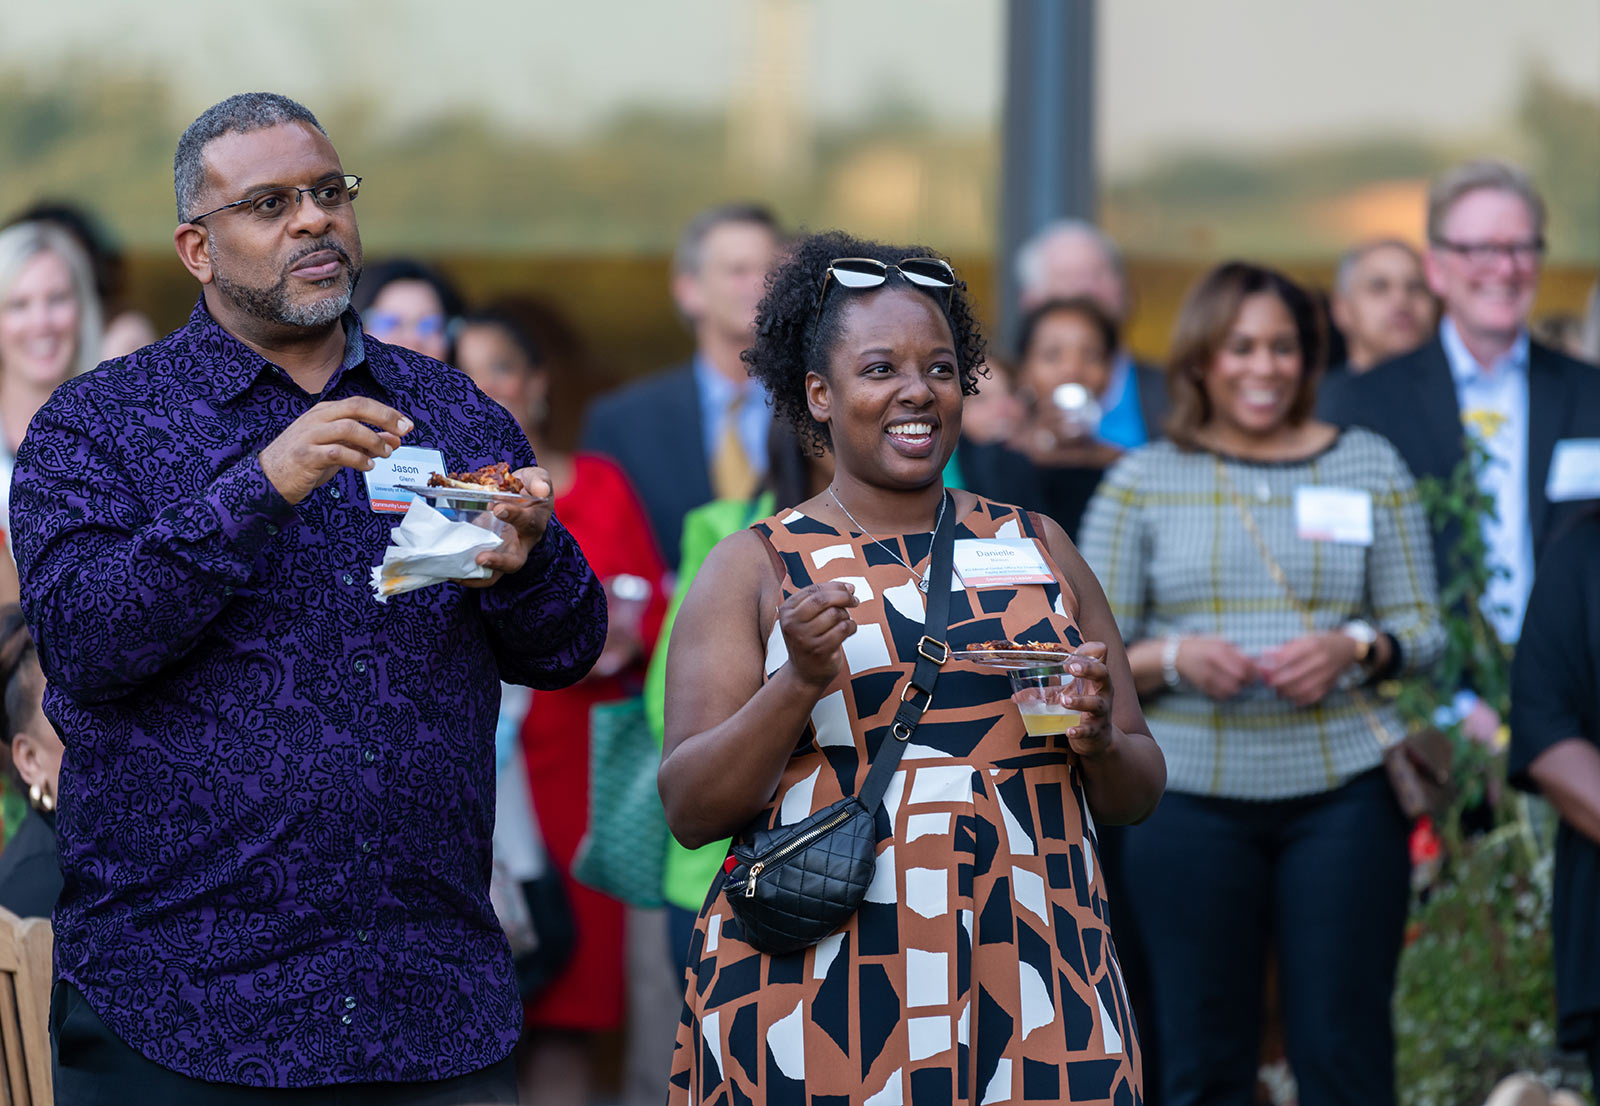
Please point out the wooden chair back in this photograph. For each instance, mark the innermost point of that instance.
(25, 978)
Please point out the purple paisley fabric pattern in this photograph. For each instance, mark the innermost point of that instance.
(278, 794)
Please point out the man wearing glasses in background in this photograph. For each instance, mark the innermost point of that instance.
(1536, 411)
(278, 794)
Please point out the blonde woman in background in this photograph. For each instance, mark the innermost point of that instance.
(49, 331)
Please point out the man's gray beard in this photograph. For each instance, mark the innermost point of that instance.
(272, 303)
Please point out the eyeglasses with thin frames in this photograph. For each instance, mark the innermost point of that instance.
(274, 203)
(1481, 253)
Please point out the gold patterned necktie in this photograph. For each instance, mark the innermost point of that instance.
(732, 475)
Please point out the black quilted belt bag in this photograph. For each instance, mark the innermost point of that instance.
(791, 886)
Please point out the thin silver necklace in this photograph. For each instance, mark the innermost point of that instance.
(920, 578)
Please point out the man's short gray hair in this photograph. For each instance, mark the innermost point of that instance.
(1346, 272)
(1030, 256)
(686, 257)
(1474, 176)
(243, 113)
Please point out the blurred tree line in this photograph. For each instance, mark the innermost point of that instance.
(458, 183)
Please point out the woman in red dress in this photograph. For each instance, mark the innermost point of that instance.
(594, 501)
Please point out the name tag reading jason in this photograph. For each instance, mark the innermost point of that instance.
(1000, 562)
(407, 465)
(1333, 514)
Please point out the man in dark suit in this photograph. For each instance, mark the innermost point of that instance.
(697, 432)
(1536, 411)
(1074, 258)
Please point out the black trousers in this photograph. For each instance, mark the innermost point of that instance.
(93, 1067)
(1325, 880)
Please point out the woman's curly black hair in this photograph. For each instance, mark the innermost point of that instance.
(792, 339)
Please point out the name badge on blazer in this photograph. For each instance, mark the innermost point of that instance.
(408, 464)
(1341, 515)
(1574, 471)
(1000, 562)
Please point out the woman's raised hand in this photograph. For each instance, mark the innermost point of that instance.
(1215, 666)
(815, 622)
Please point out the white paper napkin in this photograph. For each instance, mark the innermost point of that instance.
(427, 548)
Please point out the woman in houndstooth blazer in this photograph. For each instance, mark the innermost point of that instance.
(1263, 567)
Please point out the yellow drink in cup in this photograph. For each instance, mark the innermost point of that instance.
(1040, 720)
(1040, 695)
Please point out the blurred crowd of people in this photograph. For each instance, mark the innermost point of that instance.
(1177, 480)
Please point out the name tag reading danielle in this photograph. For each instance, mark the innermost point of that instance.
(407, 465)
(1000, 562)
(1333, 514)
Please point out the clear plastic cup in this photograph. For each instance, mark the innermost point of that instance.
(1040, 695)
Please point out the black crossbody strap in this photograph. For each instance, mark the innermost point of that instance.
(932, 652)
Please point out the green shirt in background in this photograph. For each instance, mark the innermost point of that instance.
(688, 873)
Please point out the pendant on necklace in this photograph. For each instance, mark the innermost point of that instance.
(922, 585)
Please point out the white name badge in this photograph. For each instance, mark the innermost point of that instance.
(1574, 471)
(407, 465)
(1333, 514)
(1000, 562)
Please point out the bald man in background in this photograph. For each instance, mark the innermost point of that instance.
(1381, 303)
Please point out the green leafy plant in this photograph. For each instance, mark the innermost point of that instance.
(1475, 998)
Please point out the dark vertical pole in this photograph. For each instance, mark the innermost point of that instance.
(1048, 161)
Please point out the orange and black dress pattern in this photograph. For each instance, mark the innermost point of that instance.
(980, 968)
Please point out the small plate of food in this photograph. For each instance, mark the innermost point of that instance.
(495, 481)
(1008, 656)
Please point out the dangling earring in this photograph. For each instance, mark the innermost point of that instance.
(40, 799)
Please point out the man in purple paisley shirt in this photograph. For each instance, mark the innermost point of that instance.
(278, 794)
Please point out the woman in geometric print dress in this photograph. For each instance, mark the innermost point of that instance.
(979, 969)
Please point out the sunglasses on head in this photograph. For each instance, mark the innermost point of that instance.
(865, 272)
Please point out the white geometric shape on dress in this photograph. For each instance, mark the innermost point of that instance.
(863, 589)
(1108, 1025)
(927, 977)
(962, 1023)
(786, 1037)
(1021, 844)
(866, 649)
(882, 887)
(892, 795)
(820, 557)
(966, 924)
(919, 825)
(1037, 1009)
(1028, 888)
(923, 752)
(796, 805)
(827, 950)
(928, 1036)
(1010, 529)
(999, 1088)
(892, 1093)
(943, 785)
(777, 648)
(928, 892)
(711, 1029)
(1088, 861)
(713, 933)
(831, 717)
(792, 517)
(1060, 605)
(907, 599)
